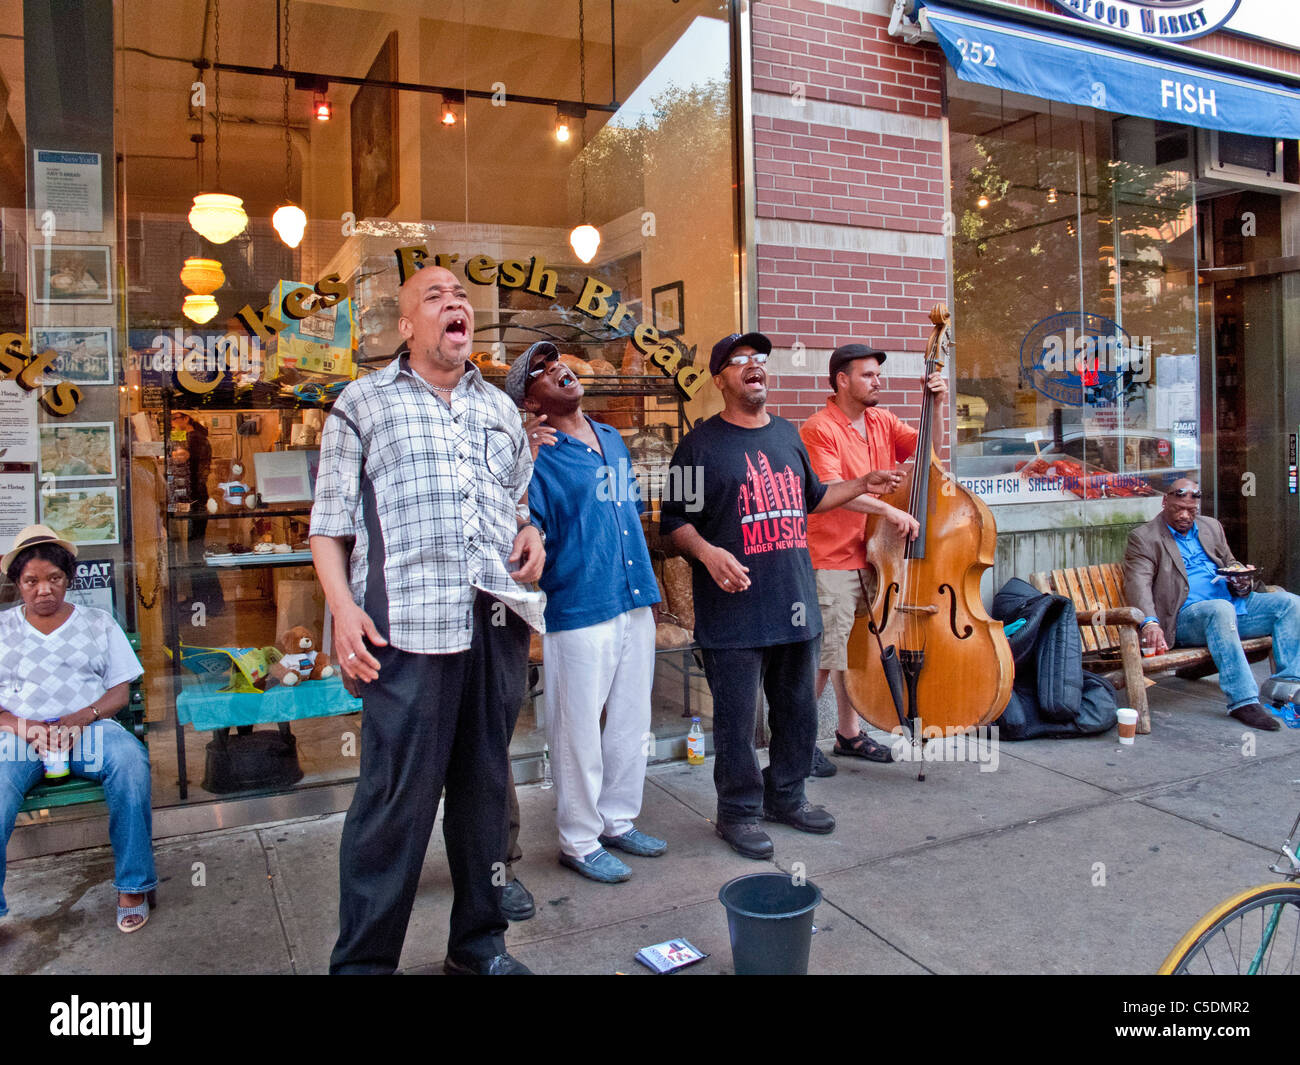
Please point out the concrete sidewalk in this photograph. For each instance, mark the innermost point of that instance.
(1073, 856)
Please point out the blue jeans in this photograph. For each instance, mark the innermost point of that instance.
(1215, 623)
(110, 754)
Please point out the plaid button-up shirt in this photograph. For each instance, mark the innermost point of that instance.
(429, 491)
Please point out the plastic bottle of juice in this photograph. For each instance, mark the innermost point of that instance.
(695, 743)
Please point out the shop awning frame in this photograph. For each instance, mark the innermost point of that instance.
(1077, 70)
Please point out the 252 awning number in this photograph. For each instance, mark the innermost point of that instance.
(977, 53)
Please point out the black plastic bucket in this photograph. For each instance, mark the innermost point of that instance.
(771, 920)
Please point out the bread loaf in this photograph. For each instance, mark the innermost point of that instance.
(677, 591)
(577, 365)
(669, 636)
(603, 367)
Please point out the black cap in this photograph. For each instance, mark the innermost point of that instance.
(723, 348)
(846, 353)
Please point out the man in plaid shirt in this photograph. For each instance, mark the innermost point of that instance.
(426, 466)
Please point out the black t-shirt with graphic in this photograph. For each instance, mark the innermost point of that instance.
(748, 491)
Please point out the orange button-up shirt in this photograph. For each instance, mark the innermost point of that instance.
(839, 453)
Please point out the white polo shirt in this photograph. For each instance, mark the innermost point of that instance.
(43, 677)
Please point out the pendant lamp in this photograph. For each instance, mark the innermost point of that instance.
(585, 238)
(289, 220)
(217, 216)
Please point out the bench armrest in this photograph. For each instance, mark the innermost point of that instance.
(1111, 615)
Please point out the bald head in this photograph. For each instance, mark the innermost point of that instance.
(1181, 504)
(436, 320)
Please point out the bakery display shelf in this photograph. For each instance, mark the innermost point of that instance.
(271, 510)
(258, 558)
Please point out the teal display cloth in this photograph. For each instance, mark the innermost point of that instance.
(206, 708)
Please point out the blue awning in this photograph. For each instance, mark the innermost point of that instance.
(1075, 70)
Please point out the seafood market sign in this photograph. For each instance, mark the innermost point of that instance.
(1154, 20)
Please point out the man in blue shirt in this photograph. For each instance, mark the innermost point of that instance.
(1171, 574)
(600, 626)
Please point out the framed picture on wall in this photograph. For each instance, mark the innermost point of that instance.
(80, 451)
(373, 127)
(667, 304)
(85, 355)
(72, 273)
(82, 515)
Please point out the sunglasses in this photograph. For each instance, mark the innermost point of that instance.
(1190, 493)
(541, 366)
(757, 358)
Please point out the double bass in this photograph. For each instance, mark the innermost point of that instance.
(927, 630)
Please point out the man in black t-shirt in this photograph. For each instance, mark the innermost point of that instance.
(743, 525)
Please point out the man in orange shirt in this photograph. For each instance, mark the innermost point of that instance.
(848, 438)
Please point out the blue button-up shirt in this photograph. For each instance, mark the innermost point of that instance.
(1203, 582)
(589, 506)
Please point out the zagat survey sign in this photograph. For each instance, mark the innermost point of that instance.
(593, 302)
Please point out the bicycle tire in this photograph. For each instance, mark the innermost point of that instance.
(1231, 938)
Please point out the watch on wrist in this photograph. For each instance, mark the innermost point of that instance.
(94, 710)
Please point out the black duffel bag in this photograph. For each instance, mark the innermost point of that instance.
(1053, 695)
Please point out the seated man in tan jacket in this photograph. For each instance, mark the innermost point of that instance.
(1171, 574)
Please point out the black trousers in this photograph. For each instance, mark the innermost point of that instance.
(785, 672)
(431, 721)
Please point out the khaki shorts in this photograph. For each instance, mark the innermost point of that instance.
(839, 594)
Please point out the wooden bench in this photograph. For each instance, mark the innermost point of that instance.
(1109, 628)
(73, 790)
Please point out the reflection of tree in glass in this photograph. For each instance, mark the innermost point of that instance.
(1018, 258)
(688, 130)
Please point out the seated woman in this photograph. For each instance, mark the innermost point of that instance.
(65, 671)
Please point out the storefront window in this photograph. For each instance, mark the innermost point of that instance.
(478, 135)
(1074, 269)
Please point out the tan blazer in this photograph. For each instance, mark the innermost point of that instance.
(1155, 580)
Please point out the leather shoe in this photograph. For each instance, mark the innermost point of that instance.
(599, 865)
(1255, 716)
(745, 837)
(634, 841)
(821, 765)
(500, 965)
(805, 817)
(517, 902)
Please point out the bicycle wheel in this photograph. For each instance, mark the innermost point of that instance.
(1254, 933)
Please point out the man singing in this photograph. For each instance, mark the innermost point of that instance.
(599, 647)
(756, 615)
(426, 465)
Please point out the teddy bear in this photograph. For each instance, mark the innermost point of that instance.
(301, 661)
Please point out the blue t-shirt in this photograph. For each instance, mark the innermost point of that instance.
(1203, 582)
(589, 506)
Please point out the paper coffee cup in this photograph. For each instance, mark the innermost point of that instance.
(1128, 720)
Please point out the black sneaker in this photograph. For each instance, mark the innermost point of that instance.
(745, 837)
(821, 765)
(805, 817)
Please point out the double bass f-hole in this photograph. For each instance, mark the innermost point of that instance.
(966, 630)
(884, 611)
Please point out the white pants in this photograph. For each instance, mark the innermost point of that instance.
(599, 777)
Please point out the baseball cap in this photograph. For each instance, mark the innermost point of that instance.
(846, 353)
(516, 383)
(723, 348)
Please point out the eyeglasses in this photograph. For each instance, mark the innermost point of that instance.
(1190, 493)
(541, 366)
(757, 358)
(30, 584)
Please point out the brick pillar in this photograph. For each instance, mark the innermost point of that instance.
(848, 161)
